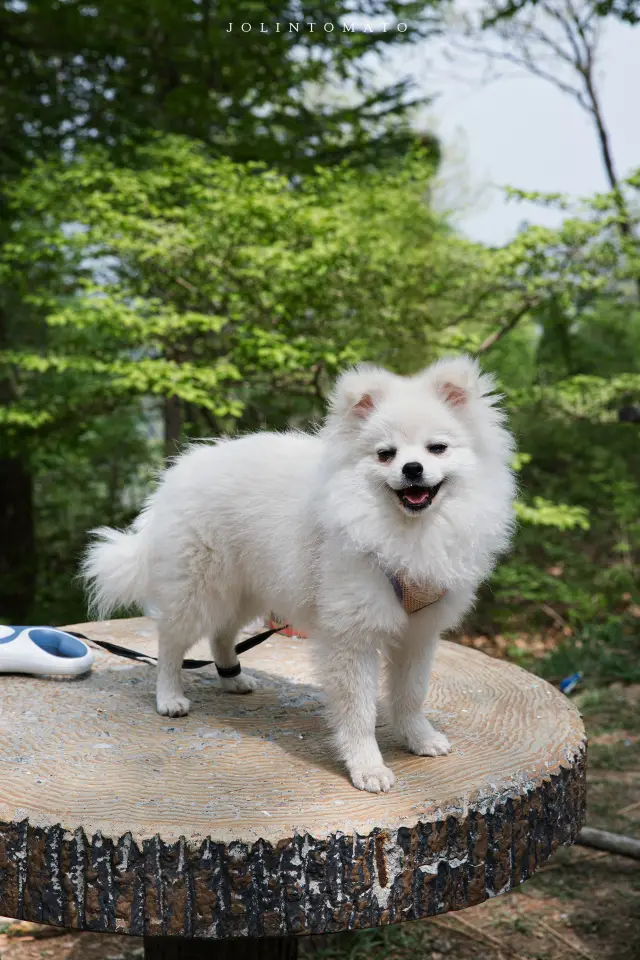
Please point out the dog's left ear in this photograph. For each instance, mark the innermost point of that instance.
(358, 391)
(458, 380)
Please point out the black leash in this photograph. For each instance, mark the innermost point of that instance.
(226, 672)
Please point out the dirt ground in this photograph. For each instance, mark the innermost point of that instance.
(582, 904)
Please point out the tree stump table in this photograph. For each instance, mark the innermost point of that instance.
(236, 824)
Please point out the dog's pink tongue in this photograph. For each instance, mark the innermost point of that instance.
(415, 495)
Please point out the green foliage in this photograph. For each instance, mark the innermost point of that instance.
(226, 287)
(155, 286)
(178, 283)
(603, 652)
(99, 476)
(582, 568)
(111, 71)
(567, 371)
(215, 282)
(115, 73)
(543, 513)
(206, 279)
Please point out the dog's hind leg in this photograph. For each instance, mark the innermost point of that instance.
(225, 656)
(174, 639)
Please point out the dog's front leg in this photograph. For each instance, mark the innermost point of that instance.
(410, 663)
(351, 671)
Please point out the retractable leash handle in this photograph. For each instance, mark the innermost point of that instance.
(43, 651)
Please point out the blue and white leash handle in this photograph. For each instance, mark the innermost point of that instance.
(43, 651)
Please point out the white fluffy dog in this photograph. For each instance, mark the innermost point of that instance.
(405, 491)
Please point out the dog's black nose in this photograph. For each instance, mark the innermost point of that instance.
(412, 470)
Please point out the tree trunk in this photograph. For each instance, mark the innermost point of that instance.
(611, 842)
(17, 525)
(17, 541)
(624, 218)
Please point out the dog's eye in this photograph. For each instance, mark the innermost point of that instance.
(436, 447)
(385, 456)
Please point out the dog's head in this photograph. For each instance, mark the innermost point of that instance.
(418, 442)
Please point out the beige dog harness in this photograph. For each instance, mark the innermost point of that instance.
(414, 596)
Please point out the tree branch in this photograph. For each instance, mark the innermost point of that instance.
(508, 326)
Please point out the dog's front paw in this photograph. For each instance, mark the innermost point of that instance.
(173, 706)
(374, 779)
(243, 683)
(429, 744)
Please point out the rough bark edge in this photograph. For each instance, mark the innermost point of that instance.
(299, 885)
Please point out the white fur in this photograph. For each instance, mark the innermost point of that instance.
(306, 525)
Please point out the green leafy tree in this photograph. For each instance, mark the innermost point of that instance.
(216, 296)
(210, 283)
(213, 285)
(110, 71)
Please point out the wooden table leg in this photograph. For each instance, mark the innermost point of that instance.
(178, 948)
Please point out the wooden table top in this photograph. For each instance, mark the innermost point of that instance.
(237, 820)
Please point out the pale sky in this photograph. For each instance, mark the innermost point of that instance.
(524, 133)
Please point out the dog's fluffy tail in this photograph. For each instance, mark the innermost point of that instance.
(115, 568)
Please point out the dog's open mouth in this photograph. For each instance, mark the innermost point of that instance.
(415, 498)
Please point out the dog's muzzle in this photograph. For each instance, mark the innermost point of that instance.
(417, 497)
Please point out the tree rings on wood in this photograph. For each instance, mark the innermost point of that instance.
(237, 821)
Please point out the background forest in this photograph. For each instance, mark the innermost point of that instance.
(198, 232)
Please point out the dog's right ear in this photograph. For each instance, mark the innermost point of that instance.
(358, 391)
